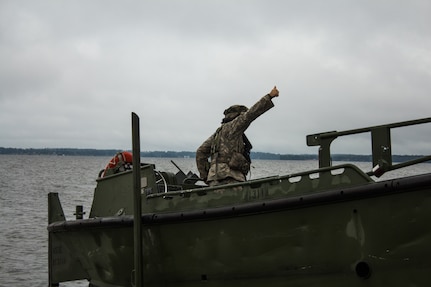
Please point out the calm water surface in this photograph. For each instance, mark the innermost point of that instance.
(26, 180)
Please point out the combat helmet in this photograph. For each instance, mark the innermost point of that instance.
(232, 112)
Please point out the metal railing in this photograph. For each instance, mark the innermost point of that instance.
(380, 142)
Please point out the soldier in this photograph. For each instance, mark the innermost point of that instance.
(229, 148)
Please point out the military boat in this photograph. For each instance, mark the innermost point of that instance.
(333, 226)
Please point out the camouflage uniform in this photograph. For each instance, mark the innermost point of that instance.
(226, 146)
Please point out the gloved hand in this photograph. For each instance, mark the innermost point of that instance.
(274, 93)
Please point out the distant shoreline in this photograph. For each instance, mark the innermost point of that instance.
(188, 154)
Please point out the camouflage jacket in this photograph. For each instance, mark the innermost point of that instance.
(226, 146)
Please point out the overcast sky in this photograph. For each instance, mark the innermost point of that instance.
(71, 72)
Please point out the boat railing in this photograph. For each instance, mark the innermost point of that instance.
(380, 142)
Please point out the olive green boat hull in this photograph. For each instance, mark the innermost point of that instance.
(375, 234)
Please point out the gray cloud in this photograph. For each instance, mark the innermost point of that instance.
(72, 72)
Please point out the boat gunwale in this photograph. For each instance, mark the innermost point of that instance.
(376, 189)
(262, 180)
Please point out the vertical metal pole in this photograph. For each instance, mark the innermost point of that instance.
(79, 212)
(137, 211)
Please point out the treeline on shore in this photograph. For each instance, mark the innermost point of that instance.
(188, 154)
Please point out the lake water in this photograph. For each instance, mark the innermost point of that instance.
(26, 180)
